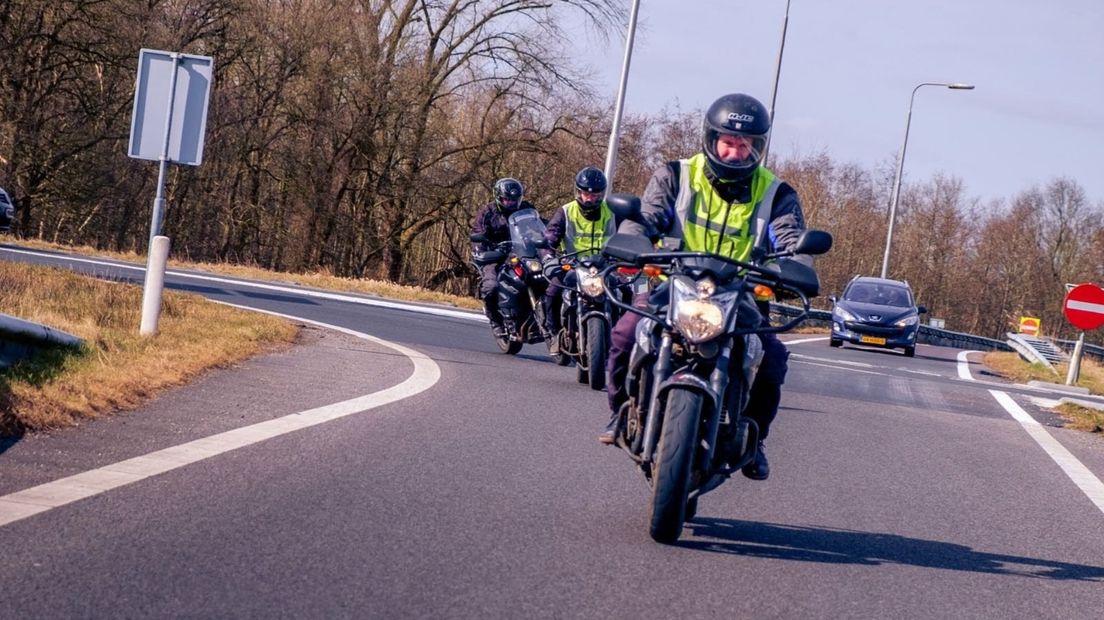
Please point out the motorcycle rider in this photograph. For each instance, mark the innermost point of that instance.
(492, 222)
(582, 225)
(720, 200)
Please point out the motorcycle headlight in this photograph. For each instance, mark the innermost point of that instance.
(843, 314)
(533, 266)
(696, 317)
(591, 285)
(908, 320)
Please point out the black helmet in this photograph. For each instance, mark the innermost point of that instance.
(735, 115)
(592, 181)
(508, 193)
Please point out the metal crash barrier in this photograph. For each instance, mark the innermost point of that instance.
(19, 339)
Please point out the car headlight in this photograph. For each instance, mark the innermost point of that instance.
(909, 320)
(591, 285)
(534, 266)
(843, 314)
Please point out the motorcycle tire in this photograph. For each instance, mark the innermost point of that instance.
(596, 348)
(673, 464)
(507, 346)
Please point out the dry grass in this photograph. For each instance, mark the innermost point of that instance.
(1011, 366)
(319, 279)
(117, 369)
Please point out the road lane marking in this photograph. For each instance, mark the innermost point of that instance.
(380, 303)
(804, 340)
(964, 365)
(1089, 484)
(38, 499)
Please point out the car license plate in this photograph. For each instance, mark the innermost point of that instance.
(872, 340)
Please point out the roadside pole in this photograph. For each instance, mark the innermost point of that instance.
(1074, 373)
(174, 87)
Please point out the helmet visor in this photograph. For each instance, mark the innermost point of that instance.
(735, 150)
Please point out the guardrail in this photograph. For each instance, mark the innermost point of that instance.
(20, 339)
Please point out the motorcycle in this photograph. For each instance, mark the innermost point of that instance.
(586, 317)
(521, 281)
(683, 423)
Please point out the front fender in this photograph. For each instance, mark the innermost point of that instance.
(692, 382)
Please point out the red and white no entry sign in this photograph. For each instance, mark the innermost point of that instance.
(1084, 306)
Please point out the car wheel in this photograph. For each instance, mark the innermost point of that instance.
(910, 351)
(835, 343)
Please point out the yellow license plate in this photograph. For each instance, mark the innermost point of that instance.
(872, 340)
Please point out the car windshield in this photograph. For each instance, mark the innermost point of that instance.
(880, 294)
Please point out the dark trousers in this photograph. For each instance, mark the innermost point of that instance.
(766, 392)
(488, 289)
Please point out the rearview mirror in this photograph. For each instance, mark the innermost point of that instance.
(813, 242)
(624, 206)
(921, 309)
(478, 237)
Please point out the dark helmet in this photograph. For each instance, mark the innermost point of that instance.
(508, 193)
(592, 181)
(735, 115)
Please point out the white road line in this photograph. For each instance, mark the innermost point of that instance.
(964, 365)
(455, 314)
(1089, 484)
(836, 367)
(804, 340)
(28, 502)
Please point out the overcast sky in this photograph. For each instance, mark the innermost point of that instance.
(849, 67)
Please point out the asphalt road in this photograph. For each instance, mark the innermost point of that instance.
(899, 488)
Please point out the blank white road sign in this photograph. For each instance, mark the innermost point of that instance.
(189, 106)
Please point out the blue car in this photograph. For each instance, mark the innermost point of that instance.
(876, 312)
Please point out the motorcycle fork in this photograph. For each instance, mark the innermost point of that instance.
(718, 381)
(660, 372)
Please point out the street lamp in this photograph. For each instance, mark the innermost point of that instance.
(615, 131)
(777, 75)
(901, 165)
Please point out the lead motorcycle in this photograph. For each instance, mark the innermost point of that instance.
(683, 423)
(521, 281)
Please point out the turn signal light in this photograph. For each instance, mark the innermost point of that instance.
(762, 292)
(653, 271)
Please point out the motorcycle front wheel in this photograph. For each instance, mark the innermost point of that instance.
(596, 348)
(673, 463)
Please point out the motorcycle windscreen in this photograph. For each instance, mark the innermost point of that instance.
(526, 232)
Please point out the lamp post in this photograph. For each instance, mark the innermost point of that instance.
(777, 75)
(615, 131)
(901, 165)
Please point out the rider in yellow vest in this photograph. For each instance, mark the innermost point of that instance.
(582, 225)
(720, 201)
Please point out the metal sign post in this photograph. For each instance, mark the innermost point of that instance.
(170, 115)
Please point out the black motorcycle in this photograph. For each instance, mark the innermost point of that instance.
(521, 281)
(587, 317)
(683, 423)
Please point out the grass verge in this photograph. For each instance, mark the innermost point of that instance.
(117, 369)
(320, 279)
(1011, 366)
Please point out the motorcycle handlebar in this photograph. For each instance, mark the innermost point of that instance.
(749, 283)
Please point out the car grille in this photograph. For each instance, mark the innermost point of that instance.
(877, 330)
